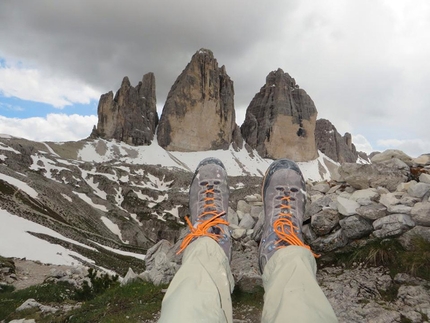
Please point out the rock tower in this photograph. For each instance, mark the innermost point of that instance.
(280, 120)
(130, 116)
(199, 111)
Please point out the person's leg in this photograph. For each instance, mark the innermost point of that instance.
(201, 289)
(292, 293)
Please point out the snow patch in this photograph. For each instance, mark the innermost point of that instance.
(19, 184)
(68, 198)
(121, 252)
(4, 147)
(86, 199)
(113, 227)
(16, 241)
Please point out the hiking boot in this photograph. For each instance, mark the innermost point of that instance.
(208, 203)
(284, 198)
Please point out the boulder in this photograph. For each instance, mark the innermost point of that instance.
(422, 160)
(280, 120)
(419, 190)
(199, 111)
(421, 213)
(399, 208)
(372, 212)
(392, 225)
(330, 242)
(390, 154)
(347, 207)
(366, 194)
(355, 227)
(247, 222)
(389, 199)
(131, 116)
(161, 263)
(130, 277)
(323, 222)
(361, 176)
(232, 217)
(322, 187)
(425, 178)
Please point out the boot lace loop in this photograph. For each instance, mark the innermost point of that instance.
(285, 228)
(209, 227)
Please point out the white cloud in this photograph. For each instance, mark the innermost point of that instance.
(362, 144)
(412, 147)
(33, 85)
(54, 127)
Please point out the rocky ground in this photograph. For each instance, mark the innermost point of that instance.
(357, 294)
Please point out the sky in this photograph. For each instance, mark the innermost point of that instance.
(364, 63)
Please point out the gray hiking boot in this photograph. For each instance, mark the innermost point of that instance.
(209, 194)
(284, 198)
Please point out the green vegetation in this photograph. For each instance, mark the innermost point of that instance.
(131, 303)
(98, 284)
(104, 301)
(391, 254)
(45, 294)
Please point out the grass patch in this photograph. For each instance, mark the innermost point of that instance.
(131, 303)
(45, 294)
(390, 254)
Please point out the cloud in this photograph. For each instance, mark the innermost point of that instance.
(364, 63)
(30, 84)
(55, 127)
(362, 144)
(412, 147)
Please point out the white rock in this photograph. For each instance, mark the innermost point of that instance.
(232, 217)
(322, 187)
(389, 199)
(368, 193)
(421, 213)
(253, 198)
(238, 233)
(29, 303)
(129, 277)
(247, 222)
(392, 225)
(419, 189)
(346, 206)
(424, 178)
(403, 187)
(399, 208)
(243, 207)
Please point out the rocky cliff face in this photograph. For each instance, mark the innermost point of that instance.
(130, 116)
(280, 120)
(199, 111)
(332, 144)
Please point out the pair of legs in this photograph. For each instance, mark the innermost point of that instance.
(201, 289)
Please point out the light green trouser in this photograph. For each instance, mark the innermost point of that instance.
(201, 289)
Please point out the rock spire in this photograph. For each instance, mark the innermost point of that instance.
(130, 116)
(199, 111)
(332, 144)
(280, 120)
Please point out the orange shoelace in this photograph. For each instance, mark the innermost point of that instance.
(285, 229)
(203, 226)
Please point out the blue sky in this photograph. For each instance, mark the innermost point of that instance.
(364, 63)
